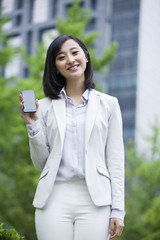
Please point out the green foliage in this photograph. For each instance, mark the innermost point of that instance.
(9, 234)
(36, 61)
(6, 51)
(76, 22)
(142, 191)
(18, 177)
(154, 138)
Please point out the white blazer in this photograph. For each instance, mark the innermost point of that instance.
(104, 150)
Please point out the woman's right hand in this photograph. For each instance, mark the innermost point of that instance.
(29, 118)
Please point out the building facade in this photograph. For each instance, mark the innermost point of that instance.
(135, 73)
(122, 81)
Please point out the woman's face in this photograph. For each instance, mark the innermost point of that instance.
(71, 61)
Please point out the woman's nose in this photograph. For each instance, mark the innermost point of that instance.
(70, 59)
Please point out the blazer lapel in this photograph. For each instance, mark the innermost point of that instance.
(60, 113)
(92, 111)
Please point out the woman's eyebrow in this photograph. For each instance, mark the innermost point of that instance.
(64, 52)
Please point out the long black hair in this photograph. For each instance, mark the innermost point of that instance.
(53, 82)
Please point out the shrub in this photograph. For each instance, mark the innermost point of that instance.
(9, 234)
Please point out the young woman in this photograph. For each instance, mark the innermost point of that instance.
(76, 141)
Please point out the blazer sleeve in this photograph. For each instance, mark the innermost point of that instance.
(115, 156)
(39, 146)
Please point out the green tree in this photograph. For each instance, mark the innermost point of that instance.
(6, 51)
(18, 177)
(142, 191)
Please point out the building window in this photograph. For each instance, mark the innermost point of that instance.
(55, 8)
(125, 23)
(29, 43)
(8, 25)
(25, 72)
(47, 36)
(128, 117)
(92, 25)
(18, 20)
(93, 4)
(126, 97)
(7, 5)
(129, 133)
(125, 5)
(120, 81)
(40, 11)
(127, 40)
(124, 62)
(30, 10)
(13, 67)
(19, 4)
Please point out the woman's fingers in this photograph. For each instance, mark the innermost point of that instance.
(116, 227)
(37, 104)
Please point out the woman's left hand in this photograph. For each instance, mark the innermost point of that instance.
(116, 227)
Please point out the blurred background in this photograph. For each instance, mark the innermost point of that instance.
(123, 38)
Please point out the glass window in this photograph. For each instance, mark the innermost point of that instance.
(48, 35)
(18, 20)
(128, 40)
(124, 62)
(13, 68)
(125, 5)
(55, 8)
(93, 4)
(126, 97)
(92, 25)
(7, 26)
(29, 42)
(129, 133)
(40, 11)
(128, 117)
(120, 81)
(127, 23)
(7, 5)
(25, 72)
(19, 4)
(30, 10)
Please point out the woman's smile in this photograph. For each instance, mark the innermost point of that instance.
(73, 67)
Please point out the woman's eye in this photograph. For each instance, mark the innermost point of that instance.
(75, 52)
(61, 58)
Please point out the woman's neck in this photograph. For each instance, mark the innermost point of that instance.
(75, 92)
(75, 89)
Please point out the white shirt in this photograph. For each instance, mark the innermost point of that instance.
(72, 163)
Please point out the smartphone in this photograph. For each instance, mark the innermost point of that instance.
(29, 105)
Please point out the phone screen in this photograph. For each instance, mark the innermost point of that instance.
(29, 101)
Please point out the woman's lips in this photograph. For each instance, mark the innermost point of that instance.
(73, 68)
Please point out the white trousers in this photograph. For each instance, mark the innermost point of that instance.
(71, 215)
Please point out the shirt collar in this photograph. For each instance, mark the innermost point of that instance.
(85, 95)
